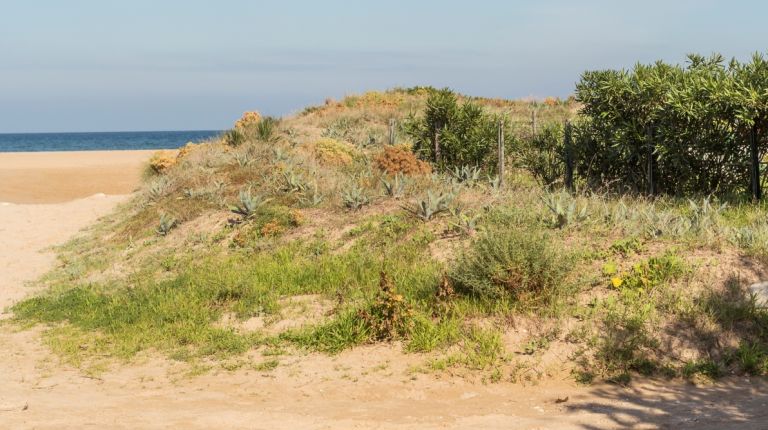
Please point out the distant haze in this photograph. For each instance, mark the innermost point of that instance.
(176, 65)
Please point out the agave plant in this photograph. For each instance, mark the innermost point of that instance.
(432, 205)
(158, 188)
(166, 224)
(242, 159)
(311, 196)
(293, 182)
(563, 209)
(466, 174)
(704, 215)
(353, 196)
(494, 182)
(248, 203)
(279, 154)
(395, 188)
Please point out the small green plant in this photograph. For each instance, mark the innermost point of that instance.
(248, 204)
(353, 196)
(390, 316)
(266, 130)
(563, 210)
(395, 188)
(234, 137)
(166, 224)
(430, 206)
(464, 222)
(651, 273)
(626, 246)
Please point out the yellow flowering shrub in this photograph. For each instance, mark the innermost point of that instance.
(334, 152)
(162, 161)
(248, 119)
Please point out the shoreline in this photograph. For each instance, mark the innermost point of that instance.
(62, 176)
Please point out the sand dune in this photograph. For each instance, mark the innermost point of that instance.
(320, 392)
(54, 177)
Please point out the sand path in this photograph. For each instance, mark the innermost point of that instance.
(363, 389)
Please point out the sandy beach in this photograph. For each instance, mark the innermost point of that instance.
(55, 177)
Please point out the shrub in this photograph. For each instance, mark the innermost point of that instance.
(515, 263)
(162, 161)
(691, 124)
(247, 120)
(333, 152)
(543, 155)
(467, 134)
(399, 159)
(166, 224)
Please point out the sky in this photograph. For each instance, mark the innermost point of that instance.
(107, 65)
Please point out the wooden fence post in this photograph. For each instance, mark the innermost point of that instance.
(650, 161)
(501, 153)
(533, 123)
(437, 146)
(568, 147)
(392, 136)
(757, 192)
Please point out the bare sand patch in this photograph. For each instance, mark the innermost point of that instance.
(54, 177)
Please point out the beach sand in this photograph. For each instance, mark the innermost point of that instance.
(55, 177)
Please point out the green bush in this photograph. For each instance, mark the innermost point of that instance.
(467, 134)
(691, 123)
(543, 155)
(514, 263)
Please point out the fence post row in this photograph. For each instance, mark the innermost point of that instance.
(757, 192)
(650, 161)
(568, 147)
(501, 152)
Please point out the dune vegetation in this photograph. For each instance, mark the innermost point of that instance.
(343, 225)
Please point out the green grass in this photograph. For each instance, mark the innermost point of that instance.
(181, 312)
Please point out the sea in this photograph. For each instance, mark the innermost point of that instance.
(101, 141)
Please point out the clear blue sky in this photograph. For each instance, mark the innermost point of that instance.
(81, 65)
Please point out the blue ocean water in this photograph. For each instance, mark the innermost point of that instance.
(34, 142)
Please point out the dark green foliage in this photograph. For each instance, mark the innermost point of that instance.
(467, 134)
(510, 262)
(692, 121)
(543, 155)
